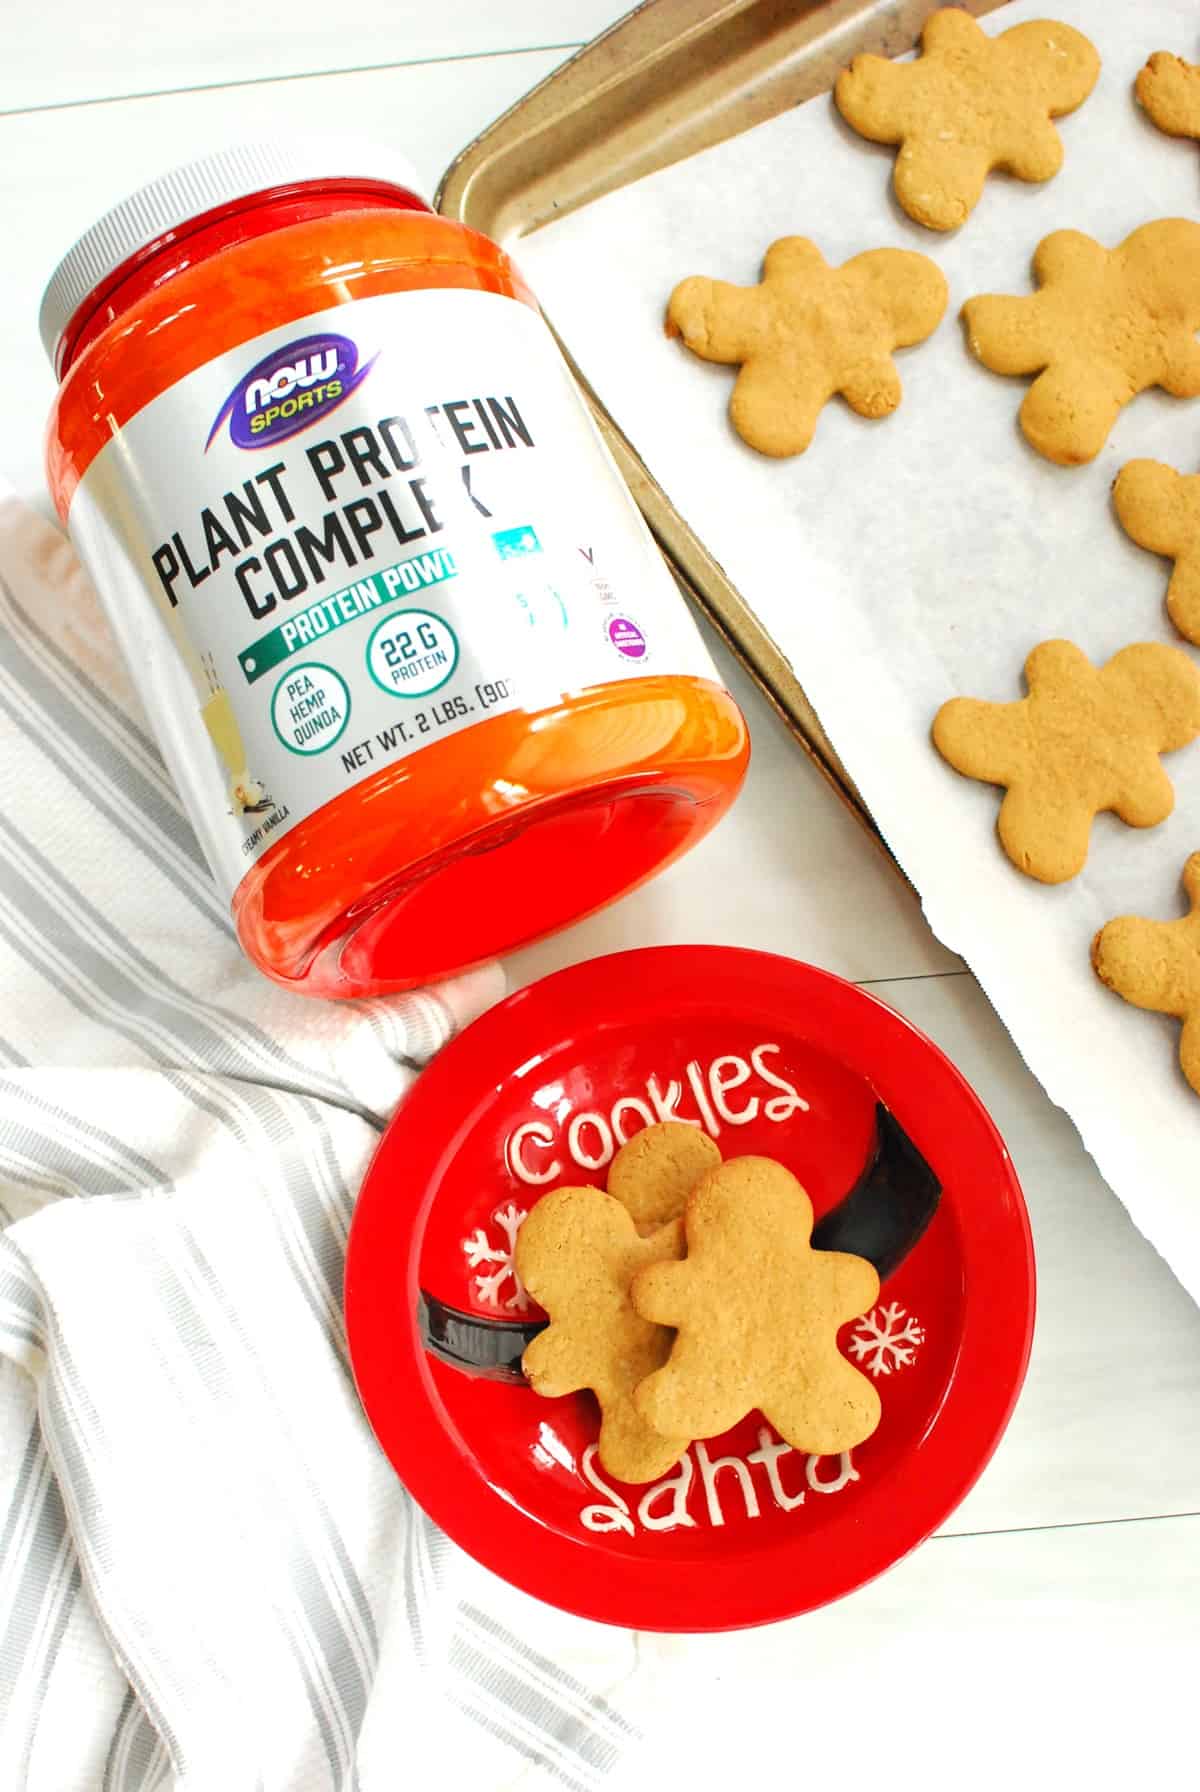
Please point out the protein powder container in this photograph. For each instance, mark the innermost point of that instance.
(424, 682)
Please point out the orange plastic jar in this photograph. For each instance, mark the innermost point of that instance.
(422, 679)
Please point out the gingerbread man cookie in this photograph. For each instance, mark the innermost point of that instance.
(655, 1172)
(1085, 739)
(970, 103)
(577, 1254)
(1168, 91)
(757, 1312)
(1160, 510)
(1156, 964)
(1105, 325)
(807, 331)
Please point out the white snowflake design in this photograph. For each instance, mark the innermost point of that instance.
(479, 1249)
(882, 1343)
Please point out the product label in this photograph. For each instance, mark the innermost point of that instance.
(357, 535)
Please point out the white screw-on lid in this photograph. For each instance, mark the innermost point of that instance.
(200, 187)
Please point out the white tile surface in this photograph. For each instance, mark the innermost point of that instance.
(66, 51)
(1034, 1660)
(789, 870)
(60, 169)
(1109, 1423)
(1012, 1655)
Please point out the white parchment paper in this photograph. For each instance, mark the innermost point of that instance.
(902, 562)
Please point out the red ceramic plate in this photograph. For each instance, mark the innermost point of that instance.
(772, 1057)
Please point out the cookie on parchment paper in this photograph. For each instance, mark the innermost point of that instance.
(1104, 325)
(968, 104)
(808, 331)
(1085, 739)
(1160, 510)
(1168, 91)
(1156, 965)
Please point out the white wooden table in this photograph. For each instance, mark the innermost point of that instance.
(1054, 1625)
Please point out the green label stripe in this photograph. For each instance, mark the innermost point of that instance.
(305, 627)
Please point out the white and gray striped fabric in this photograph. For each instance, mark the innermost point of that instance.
(210, 1580)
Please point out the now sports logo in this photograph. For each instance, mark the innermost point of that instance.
(290, 388)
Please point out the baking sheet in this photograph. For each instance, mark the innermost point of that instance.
(669, 79)
(902, 562)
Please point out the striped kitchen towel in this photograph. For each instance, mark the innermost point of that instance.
(210, 1580)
